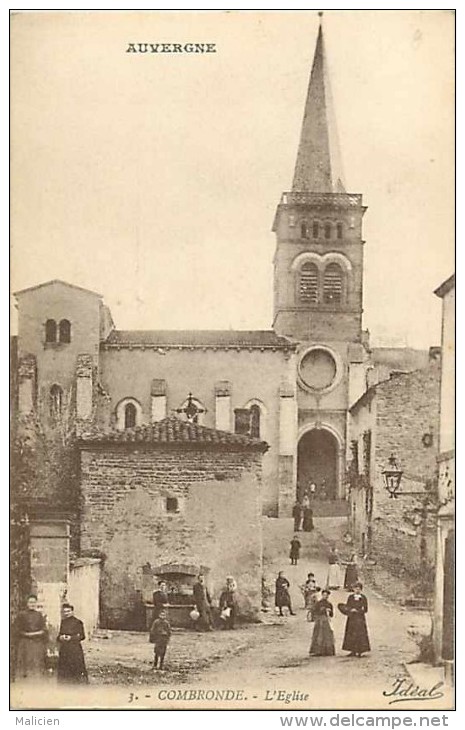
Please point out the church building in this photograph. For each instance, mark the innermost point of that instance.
(96, 392)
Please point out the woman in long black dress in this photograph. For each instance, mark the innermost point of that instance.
(71, 665)
(356, 639)
(351, 574)
(307, 524)
(282, 597)
(32, 642)
(323, 637)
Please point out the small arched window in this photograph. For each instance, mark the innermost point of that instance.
(50, 330)
(130, 415)
(327, 230)
(65, 331)
(315, 229)
(255, 421)
(303, 229)
(308, 289)
(333, 284)
(56, 402)
(339, 230)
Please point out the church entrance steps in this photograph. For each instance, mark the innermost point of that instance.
(330, 508)
(278, 532)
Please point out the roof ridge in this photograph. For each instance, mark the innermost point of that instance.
(174, 430)
(57, 281)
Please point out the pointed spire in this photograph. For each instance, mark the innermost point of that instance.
(318, 168)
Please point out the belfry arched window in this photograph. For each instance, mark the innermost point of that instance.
(333, 284)
(308, 285)
(339, 230)
(328, 230)
(303, 229)
(64, 331)
(50, 330)
(56, 402)
(315, 229)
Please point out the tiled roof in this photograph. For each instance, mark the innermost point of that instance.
(174, 432)
(197, 338)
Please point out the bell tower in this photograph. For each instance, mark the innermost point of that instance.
(318, 263)
(318, 291)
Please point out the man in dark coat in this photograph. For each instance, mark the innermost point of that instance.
(160, 598)
(356, 639)
(203, 604)
(297, 513)
(295, 550)
(71, 664)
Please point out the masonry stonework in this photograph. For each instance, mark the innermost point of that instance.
(124, 493)
(401, 416)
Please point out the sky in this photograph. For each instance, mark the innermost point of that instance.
(154, 178)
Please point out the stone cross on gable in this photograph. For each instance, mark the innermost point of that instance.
(191, 410)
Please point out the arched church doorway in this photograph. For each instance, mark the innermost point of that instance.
(317, 461)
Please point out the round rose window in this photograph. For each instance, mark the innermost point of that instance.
(318, 369)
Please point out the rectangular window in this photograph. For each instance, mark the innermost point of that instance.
(172, 504)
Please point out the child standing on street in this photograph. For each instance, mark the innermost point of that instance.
(160, 633)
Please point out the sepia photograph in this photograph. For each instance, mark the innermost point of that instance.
(232, 360)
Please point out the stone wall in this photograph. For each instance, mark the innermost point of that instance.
(408, 410)
(402, 415)
(124, 493)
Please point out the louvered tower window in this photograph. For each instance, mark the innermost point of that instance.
(309, 284)
(332, 284)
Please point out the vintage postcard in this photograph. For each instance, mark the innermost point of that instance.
(232, 360)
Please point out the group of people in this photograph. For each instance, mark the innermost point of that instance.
(33, 645)
(201, 615)
(355, 640)
(320, 610)
(302, 513)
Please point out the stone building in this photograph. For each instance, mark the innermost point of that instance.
(400, 417)
(166, 494)
(445, 551)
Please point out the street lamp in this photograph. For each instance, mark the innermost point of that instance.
(392, 477)
(418, 517)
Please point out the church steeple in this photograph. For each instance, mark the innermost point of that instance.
(318, 167)
(318, 265)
